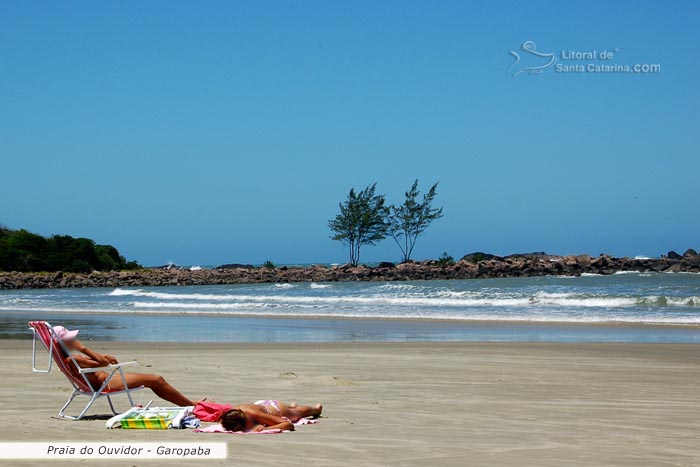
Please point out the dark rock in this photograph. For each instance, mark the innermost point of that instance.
(673, 255)
(386, 265)
(477, 257)
(235, 266)
(533, 255)
(659, 266)
(689, 253)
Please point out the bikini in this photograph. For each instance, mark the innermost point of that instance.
(266, 404)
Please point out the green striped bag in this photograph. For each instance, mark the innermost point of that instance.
(147, 420)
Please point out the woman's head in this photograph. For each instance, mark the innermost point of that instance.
(64, 334)
(234, 420)
(67, 339)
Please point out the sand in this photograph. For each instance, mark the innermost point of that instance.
(405, 404)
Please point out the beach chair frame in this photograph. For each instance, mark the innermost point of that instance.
(44, 332)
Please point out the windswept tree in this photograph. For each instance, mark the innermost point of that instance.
(363, 220)
(410, 219)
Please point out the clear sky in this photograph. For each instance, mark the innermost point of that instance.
(213, 132)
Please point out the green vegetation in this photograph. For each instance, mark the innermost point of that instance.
(410, 219)
(477, 257)
(268, 265)
(445, 260)
(21, 250)
(362, 221)
(365, 219)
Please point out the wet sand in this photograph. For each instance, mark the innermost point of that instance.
(528, 404)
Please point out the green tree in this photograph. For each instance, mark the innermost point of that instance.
(21, 250)
(108, 258)
(362, 221)
(410, 219)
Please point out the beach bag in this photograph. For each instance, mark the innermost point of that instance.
(151, 418)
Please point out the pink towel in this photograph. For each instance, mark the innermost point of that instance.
(209, 411)
(217, 428)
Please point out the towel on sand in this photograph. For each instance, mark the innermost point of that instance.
(217, 428)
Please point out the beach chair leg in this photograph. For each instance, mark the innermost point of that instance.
(128, 395)
(111, 406)
(126, 387)
(61, 413)
(87, 407)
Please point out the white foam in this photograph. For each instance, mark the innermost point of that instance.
(314, 285)
(166, 296)
(393, 286)
(123, 292)
(469, 299)
(483, 317)
(202, 306)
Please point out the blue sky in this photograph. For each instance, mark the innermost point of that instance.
(216, 132)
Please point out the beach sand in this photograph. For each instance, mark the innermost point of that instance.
(419, 404)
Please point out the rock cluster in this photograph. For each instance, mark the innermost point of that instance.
(475, 265)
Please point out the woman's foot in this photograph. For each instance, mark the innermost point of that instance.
(319, 409)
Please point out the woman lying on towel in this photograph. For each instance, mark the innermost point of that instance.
(88, 358)
(266, 415)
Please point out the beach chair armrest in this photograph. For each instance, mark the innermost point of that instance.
(108, 367)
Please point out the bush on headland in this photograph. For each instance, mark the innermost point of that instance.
(445, 260)
(24, 251)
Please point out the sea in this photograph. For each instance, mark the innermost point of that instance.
(623, 307)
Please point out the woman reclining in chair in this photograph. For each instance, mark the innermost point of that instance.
(88, 358)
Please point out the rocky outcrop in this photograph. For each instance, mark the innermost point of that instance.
(673, 255)
(475, 265)
(478, 256)
(236, 266)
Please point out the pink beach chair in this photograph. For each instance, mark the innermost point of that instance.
(44, 332)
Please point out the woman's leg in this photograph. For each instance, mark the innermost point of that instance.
(155, 383)
(294, 412)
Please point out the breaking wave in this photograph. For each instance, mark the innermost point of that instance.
(437, 298)
(624, 298)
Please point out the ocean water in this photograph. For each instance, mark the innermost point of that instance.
(621, 307)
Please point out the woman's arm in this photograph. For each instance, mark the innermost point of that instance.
(102, 360)
(82, 361)
(270, 422)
